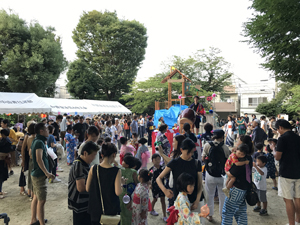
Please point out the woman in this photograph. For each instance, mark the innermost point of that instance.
(229, 132)
(235, 205)
(205, 137)
(160, 122)
(127, 123)
(241, 125)
(5, 147)
(108, 132)
(272, 130)
(213, 181)
(162, 138)
(253, 117)
(263, 124)
(110, 183)
(70, 145)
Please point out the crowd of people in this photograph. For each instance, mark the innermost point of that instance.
(102, 189)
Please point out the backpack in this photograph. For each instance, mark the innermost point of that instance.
(126, 127)
(215, 161)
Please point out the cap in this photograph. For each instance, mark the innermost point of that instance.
(218, 133)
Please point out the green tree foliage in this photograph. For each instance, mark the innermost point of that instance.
(274, 31)
(293, 105)
(206, 69)
(31, 57)
(112, 50)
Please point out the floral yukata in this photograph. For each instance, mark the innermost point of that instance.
(139, 204)
(70, 145)
(185, 216)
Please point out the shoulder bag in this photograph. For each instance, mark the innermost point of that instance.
(106, 219)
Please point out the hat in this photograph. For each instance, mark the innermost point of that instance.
(218, 133)
(88, 118)
(273, 139)
(116, 118)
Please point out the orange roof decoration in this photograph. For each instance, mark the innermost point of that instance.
(172, 74)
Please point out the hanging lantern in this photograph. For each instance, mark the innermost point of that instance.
(8, 114)
(43, 115)
(209, 98)
(214, 95)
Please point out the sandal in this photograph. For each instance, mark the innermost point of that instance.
(2, 196)
(3, 193)
(209, 218)
(24, 193)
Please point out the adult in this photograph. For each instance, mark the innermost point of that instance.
(78, 197)
(127, 124)
(241, 125)
(79, 129)
(229, 132)
(185, 163)
(88, 121)
(235, 205)
(56, 126)
(39, 174)
(142, 126)
(20, 125)
(213, 181)
(207, 135)
(63, 128)
(108, 131)
(5, 147)
(51, 142)
(150, 129)
(14, 140)
(272, 130)
(118, 132)
(160, 122)
(92, 135)
(199, 110)
(264, 124)
(109, 179)
(134, 125)
(246, 118)
(288, 154)
(253, 117)
(162, 138)
(70, 145)
(258, 135)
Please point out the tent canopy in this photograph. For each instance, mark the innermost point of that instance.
(22, 103)
(108, 107)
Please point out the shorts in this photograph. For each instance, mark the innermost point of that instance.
(39, 186)
(262, 195)
(288, 188)
(197, 122)
(271, 175)
(157, 192)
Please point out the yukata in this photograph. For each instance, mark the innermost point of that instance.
(143, 155)
(139, 204)
(232, 159)
(165, 143)
(70, 145)
(125, 149)
(185, 215)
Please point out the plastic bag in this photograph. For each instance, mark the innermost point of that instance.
(51, 153)
(204, 211)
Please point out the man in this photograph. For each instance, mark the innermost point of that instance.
(76, 119)
(142, 126)
(199, 110)
(258, 136)
(246, 118)
(78, 196)
(134, 125)
(288, 154)
(45, 121)
(56, 124)
(14, 141)
(118, 132)
(63, 129)
(80, 128)
(93, 135)
(39, 174)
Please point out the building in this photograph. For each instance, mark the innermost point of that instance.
(61, 92)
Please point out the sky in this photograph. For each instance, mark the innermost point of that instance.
(173, 28)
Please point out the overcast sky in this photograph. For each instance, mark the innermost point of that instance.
(173, 28)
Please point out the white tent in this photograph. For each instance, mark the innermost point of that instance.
(70, 106)
(22, 103)
(108, 107)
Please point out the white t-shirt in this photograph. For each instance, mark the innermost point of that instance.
(264, 125)
(261, 180)
(142, 122)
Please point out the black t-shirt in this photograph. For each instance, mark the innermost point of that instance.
(289, 145)
(56, 131)
(80, 128)
(195, 106)
(239, 172)
(246, 119)
(179, 166)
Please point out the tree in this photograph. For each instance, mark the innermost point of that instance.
(207, 69)
(293, 104)
(274, 31)
(112, 50)
(31, 57)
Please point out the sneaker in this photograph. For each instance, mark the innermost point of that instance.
(226, 192)
(154, 213)
(275, 188)
(59, 169)
(165, 219)
(257, 209)
(263, 212)
(56, 180)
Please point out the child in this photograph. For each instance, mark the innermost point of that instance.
(143, 153)
(176, 128)
(271, 167)
(185, 185)
(107, 140)
(260, 180)
(140, 199)
(134, 142)
(5, 148)
(125, 149)
(156, 169)
(138, 164)
(131, 176)
(237, 158)
(259, 147)
(150, 129)
(190, 135)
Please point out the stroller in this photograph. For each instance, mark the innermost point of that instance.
(5, 217)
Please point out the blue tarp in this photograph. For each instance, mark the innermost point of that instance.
(170, 116)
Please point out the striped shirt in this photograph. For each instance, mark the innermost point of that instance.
(78, 201)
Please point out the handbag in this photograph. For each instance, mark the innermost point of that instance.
(51, 163)
(251, 195)
(106, 219)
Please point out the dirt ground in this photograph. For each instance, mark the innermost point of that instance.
(56, 210)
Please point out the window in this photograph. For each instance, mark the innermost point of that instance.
(257, 101)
